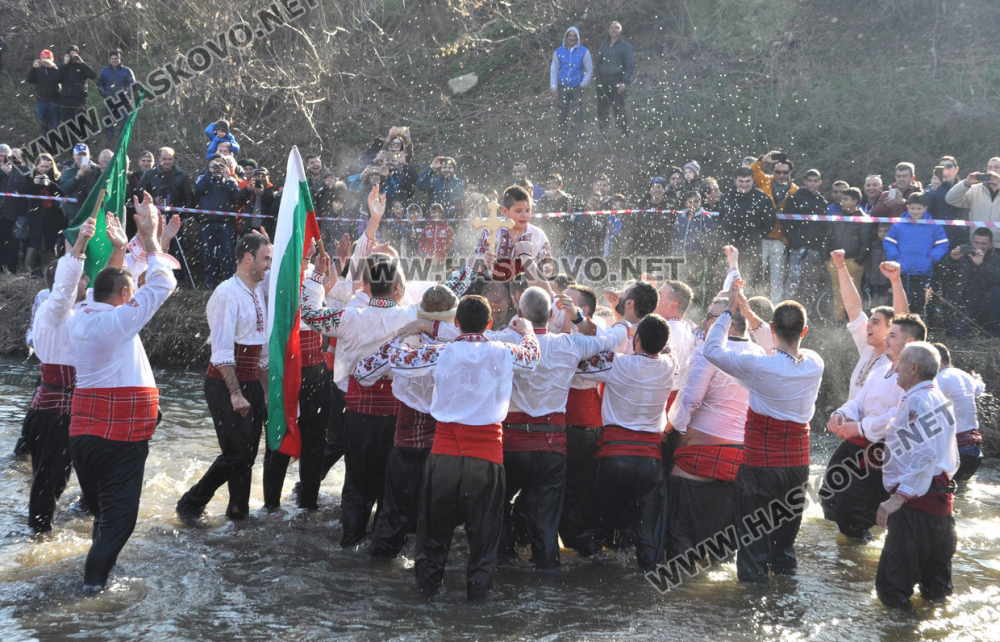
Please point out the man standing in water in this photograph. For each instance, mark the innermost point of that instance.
(116, 403)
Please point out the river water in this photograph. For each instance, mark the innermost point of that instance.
(284, 576)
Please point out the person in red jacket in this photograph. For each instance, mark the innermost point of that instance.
(437, 239)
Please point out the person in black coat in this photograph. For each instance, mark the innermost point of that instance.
(44, 75)
(73, 76)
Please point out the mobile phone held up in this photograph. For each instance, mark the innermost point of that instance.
(779, 157)
(968, 250)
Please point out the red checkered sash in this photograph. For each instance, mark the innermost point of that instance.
(617, 441)
(375, 399)
(583, 408)
(775, 443)
(247, 363)
(55, 393)
(967, 439)
(118, 414)
(523, 441)
(718, 462)
(414, 429)
(464, 440)
(939, 498)
(312, 347)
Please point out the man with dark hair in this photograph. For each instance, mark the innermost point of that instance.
(938, 203)
(371, 410)
(783, 388)
(613, 71)
(464, 479)
(115, 403)
(236, 381)
(216, 189)
(961, 389)
(973, 274)
(628, 489)
(73, 76)
(746, 216)
(115, 82)
(519, 176)
(779, 187)
(894, 200)
(710, 412)
(806, 241)
(921, 539)
(442, 184)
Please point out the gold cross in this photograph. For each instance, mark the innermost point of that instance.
(493, 223)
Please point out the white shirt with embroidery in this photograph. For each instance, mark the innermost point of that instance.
(876, 403)
(50, 327)
(636, 388)
(237, 314)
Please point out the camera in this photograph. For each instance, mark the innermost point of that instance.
(983, 177)
(939, 172)
(968, 249)
(258, 183)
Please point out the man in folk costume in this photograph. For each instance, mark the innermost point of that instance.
(397, 516)
(508, 254)
(236, 381)
(864, 419)
(371, 411)
(709, 414)
(628, 489)
(116, 401)
(464, 475)
(675, 299)
(534, 430)
(962, 388)
(921, 459)
(869, 334)
(783, 388)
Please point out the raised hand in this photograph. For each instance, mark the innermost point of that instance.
(732, 255)
(837, 258)
(115, 231)
(376, 204)
(170, 230)
(890, 269)
(87, 230)
(322, 264)
(521, 326)
(147, 221)
(734, 295)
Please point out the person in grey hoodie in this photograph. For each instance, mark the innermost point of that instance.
(572, 69)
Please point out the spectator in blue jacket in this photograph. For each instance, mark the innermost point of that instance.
(441, 183)
(218, 132)
(114, 80)
(571, 71)
(916, 248)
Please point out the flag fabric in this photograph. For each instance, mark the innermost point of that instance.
(295, 229)
(108, 196)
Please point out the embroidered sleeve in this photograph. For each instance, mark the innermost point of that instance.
(600, 362)
(376, 365)
(459, 281)
(483, 242)
(326, 321)
(414, 361)
(526, 353)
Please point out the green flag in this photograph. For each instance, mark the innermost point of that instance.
(108, 196)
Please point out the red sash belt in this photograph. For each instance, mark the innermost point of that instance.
(583, 408)
(775, 443)
(858, 441)
(414, 429)
(617, 441)
(247, 363)
(375, 399)
(118, 414)
(522, 441)
(55, 394)
(717, 462)
(967, 439)
(312, 347)
(670, 399)
(938, 500)
(463, 440)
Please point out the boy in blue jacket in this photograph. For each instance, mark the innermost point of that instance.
(218, 132)
(916, 248)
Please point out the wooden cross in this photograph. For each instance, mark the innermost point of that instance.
(493, 223)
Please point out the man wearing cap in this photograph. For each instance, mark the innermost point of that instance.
(115, 79)
(44, 75)
(78, 180)
(73, 75)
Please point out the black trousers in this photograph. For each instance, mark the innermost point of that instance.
(397, 515)
(918, 550)
(570, 100)
(769, 505)
(969, 460)
(855, 505)
(609, 99)
(110, 474)
(540, 478)
(10, 246)
(459, 490)
(629, 493)
(334, 430)
(368, 440)
(581, 468)
(47, 438)
(697, 511)
(239, 439)
(314, 414)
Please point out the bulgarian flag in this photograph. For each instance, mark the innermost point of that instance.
(109, 195)
(295, 231)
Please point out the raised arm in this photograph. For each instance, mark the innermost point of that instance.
(848, 291)
(891, 271)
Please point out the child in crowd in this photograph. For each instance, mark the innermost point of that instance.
(218, 132)
(917, 248)
(437, 239)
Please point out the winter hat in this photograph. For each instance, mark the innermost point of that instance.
(448, 160)
(115, 52)
(658, 179)
(694, 167)
(72, 48)
(222, 124)
(46, 54)
(249, 163)
(146, 154)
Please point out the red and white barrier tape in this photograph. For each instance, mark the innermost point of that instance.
(884, 219)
